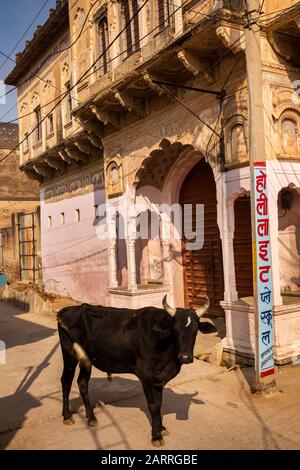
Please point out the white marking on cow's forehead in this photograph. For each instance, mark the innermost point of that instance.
(188, 322)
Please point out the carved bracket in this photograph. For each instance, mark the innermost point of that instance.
(87, 148)
(127, 102)
(149, 80)
(75, 154)
(89, 125)
(231, 38)
(43, 171)
(32, 174)
(56, 164)
(95, 140)
(106, 117)
(196, 64)
(65, 157)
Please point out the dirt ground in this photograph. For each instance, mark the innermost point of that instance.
(205, 407)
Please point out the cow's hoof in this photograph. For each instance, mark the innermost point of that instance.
(164, 431)
(93, 422)
(69, 421)
(158, 442)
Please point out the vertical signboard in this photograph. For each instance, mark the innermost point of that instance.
(263, 272)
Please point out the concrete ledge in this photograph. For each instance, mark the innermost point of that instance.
(234, 358)
(140, 298)
(30, 299)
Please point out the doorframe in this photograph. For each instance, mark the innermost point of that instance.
(170, 195)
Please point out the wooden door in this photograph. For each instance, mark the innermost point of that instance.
(203, 269)
(242, 245)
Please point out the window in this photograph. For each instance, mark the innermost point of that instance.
(103, 41)
(49, 221)
(50, 126)
(163, 13)
(77, 215)
(37, 124)
(62, 218)
(68, 103)
(131, 22)
(26, 142)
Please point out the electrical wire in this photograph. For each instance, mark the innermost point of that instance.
(24, 34)
(35, 73)
(81, 78)
(261, 6)
(93, 72)
(85, 75)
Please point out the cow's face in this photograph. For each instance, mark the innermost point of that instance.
(186, 323)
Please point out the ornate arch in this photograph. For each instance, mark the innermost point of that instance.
(155, 168)
(234, 196)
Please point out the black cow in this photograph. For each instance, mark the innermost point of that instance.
(150, 343)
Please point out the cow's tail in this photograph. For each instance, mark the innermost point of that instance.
(80, 353)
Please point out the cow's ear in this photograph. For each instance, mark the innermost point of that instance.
(163, 327)
(207, 327)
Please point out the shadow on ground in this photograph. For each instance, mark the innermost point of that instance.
(126, 393)
(18, 331)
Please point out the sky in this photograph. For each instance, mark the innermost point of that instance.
(15, 18)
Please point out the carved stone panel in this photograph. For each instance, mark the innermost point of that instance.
(289, 132)
(114, 178)
(236, 140)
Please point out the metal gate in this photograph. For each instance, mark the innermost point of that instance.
(27, 226)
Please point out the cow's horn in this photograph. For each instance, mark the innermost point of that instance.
(202, 311)
(171, 311)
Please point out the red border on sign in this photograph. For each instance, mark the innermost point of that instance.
(268, 372)
(259, 163)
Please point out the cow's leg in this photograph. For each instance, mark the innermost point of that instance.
(154, 399)
(83, 384)
(70, 364)
(159, 395)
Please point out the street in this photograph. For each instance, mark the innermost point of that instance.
(205, 407)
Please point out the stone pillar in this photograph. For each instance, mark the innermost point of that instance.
(230, 292)
(165, 241)
(112, 248)
(113, 280)
(131, 238)
(131, 261)
(225, 216)
(273, 226)
(165, 254)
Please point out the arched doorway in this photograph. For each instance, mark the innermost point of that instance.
(203, 269)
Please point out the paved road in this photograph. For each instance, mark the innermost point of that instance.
(206, 407)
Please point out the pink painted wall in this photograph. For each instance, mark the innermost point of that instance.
(74, 260)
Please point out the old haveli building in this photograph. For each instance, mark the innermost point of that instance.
(121, 138)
